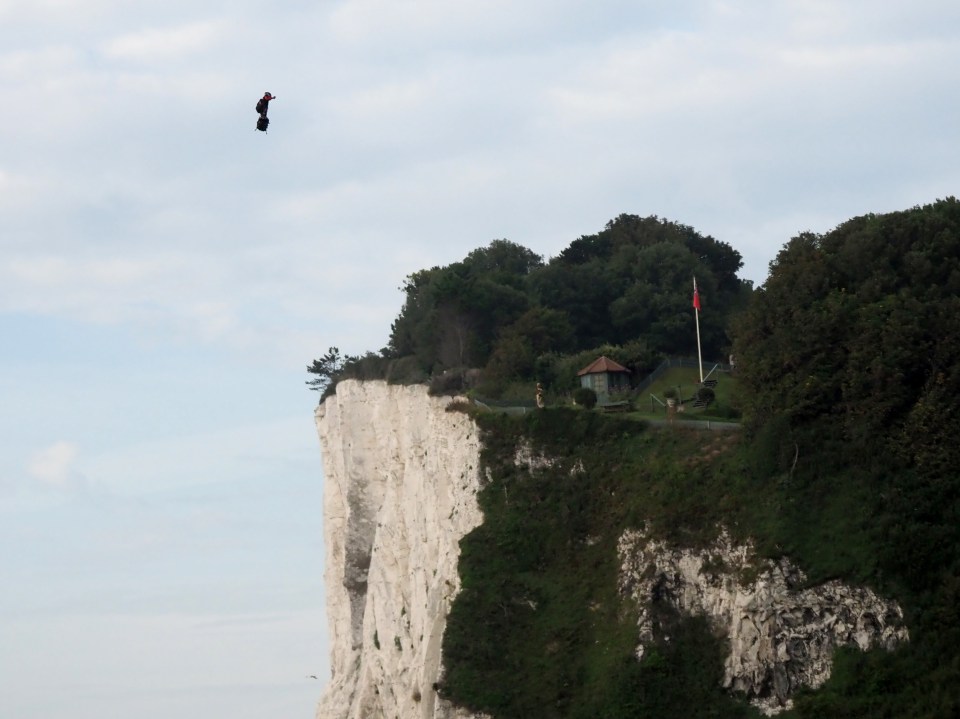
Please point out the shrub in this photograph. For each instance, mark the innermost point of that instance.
(459, 405)
(406, 370)
(585, 397)
(450, 382)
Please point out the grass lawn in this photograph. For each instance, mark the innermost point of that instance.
(651, 403)
(684, 380)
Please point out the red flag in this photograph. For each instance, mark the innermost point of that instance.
(696, 296)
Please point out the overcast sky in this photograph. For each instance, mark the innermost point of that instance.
(167, 272)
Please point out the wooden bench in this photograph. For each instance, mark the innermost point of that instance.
(623, 406)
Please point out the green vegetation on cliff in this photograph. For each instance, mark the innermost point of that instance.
(626, 290)
(502, 306)
(539, 628)
(849, 364)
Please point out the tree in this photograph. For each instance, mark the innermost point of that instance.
(502, 307)
(855, 325)
(452, 315)
(583, 292)
(327, 370)
(848, 361)
(455, 337)
(508, 260)
(411, 333)
(633, 281)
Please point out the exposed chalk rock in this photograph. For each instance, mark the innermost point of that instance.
(781, 634)
(401, 479)
(401, 482)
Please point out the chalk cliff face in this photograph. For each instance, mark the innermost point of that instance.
(781, 633)
(401, 478)
(401, 482)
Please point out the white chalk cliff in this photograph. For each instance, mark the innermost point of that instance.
(781, 633)
(401, 479)
(401, 482)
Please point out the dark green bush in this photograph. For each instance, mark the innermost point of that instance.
(450, 382)
(585, 397)
(405, 370)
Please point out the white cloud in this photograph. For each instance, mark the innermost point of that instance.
(55, 466)
(105, 290)
(411, 21)
(18, 190)
(43, 64)
(153, 44)
(51, 10)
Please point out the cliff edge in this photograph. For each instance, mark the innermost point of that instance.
(401, 481)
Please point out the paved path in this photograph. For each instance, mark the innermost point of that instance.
(711, 424)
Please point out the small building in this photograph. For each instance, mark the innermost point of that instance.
(604, 376)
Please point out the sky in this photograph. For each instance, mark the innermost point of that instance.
(167, 273)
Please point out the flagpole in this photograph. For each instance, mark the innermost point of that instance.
(696, 309)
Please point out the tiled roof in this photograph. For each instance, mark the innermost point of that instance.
(602, 365)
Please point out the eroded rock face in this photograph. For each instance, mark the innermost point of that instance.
(401, 483)
(401, 478)
(781, 634)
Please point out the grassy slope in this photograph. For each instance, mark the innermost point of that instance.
(685, 381)
(539, 629)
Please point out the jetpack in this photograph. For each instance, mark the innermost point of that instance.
(263, 122)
